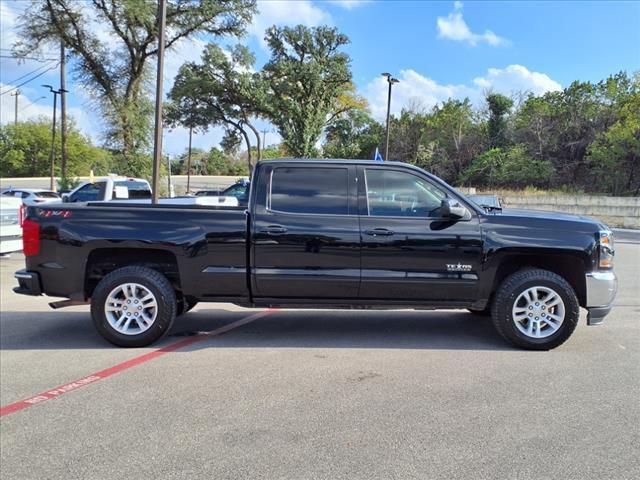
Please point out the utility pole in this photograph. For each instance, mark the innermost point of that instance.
(63, 115)
(189, 161)
(169, 185)
(390, 81)
(16, 94)
(52, 155)
(264, 138)
(157, 144)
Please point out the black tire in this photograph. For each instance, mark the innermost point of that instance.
(185, 306)
(508, 293)
(150, 279)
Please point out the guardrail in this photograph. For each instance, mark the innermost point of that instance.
(621, 212)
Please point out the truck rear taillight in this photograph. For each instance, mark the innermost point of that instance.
(21, 214)
(30, 237)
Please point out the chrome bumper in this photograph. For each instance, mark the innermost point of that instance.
(601, 291)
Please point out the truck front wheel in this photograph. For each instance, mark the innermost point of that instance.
(133, 306)
(535, 309)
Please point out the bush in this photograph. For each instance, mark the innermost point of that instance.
(512, 167)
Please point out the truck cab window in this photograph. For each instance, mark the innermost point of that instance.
(391, 193)
(89, 193)
(322, 191)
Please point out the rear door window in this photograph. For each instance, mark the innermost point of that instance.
(137, 190)
(47, 195)
(319, 191)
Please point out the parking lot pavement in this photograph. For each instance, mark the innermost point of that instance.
(321, 394)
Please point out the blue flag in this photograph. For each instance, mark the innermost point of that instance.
(378, 157)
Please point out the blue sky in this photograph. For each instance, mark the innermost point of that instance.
(436, 49)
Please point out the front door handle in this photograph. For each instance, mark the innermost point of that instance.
(379, 232)
(274, 230)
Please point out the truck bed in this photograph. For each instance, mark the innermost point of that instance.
(207, 242)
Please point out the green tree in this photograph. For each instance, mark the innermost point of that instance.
(117, 72)
(273, 151)
(179, 166)
(499, 106)
(218, 163)
(309, 82)
(456, 135)
(614, 156)
(222, 90)
(25, 149)
(355, 135)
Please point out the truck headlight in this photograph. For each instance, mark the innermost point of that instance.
(606, 252)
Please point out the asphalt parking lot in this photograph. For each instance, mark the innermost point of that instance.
(318, 395)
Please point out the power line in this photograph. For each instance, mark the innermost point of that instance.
(33, 103)
(30, 80)
(20, 57)
(35, 70)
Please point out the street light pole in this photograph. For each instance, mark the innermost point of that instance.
(390, 80)
(157, 143)
(63, 115)
(52, 155)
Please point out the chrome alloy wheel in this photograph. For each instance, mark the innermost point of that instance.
(131, 308)
(538, 312)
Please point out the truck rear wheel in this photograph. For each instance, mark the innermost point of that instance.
(535, 309)
(133, 306)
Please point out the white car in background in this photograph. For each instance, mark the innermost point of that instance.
(110, 188)
(10, 224)
(32, 196)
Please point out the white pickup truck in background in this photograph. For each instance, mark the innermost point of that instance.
(110, 188)
(10, 224)
(134, 190)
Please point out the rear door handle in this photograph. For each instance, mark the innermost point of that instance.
(274, 230)
(379, 232)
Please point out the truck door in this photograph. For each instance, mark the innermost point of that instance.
(408, 252)
(305, 232)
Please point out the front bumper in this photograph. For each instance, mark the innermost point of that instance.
(601, 291)
(28, 283)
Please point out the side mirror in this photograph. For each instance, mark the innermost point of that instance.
(453, 209)
(65, 198)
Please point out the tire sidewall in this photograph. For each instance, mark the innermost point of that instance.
(569, 323)
(164, 317)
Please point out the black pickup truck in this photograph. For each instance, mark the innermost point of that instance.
(329, 234)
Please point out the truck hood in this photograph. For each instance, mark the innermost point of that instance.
(542, 214)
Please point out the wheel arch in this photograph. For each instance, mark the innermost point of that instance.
(103, 261)
(572, 266)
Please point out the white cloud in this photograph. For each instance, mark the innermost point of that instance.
(417, 89)
(34, 103)
(285, 12)
(413, 89)
(516, 78)
(8, 19)
(350, 4)
(453, 27)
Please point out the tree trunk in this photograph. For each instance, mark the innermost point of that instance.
(248, 142)
(258, 144)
